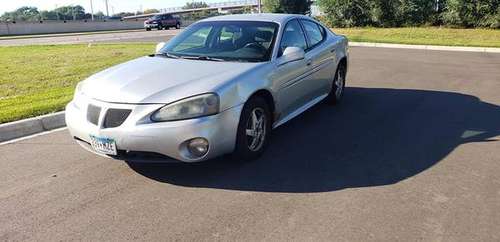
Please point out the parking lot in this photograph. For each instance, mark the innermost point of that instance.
(412, 153)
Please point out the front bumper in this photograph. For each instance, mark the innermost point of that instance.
(148, 26)
(139, 134)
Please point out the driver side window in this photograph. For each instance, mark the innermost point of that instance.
(293, 36)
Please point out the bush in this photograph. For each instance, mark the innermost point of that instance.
(288, 6)
(472, 13)
(396, 13)
(385, 13)
(346, 13)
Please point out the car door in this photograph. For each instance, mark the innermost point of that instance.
(170, 20)
(321, 58)
(290, 78)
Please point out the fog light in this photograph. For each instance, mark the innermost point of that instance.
(198, 147)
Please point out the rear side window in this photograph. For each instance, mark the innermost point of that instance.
(293, 36)
(315, 33)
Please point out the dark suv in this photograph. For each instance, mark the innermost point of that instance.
(162, 21)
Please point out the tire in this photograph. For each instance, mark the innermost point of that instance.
(338, 85)
(250, 145)
(178, 26)
(160, 27)
(148, 29)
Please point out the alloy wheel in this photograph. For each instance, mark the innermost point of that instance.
(256, 129)
(339, 83)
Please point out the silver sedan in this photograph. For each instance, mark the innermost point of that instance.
(218, 87)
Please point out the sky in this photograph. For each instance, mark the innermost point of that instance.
(114, 5)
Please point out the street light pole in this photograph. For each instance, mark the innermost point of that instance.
(91, 10)
(107, 11)
(260, 6)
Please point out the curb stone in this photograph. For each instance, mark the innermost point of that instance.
(25, 127)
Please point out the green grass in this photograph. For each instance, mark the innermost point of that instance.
(424, 36)
(37, 80)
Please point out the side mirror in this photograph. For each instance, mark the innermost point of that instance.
(159, 46)
(292, 54)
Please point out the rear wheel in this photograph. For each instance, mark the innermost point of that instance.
(160, 27)
(178, 26)
(253, 129)
(338, 85)
(148, 29)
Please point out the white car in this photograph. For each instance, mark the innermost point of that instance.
(218, 87)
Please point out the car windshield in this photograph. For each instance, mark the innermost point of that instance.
(249, 41)
(156, 17)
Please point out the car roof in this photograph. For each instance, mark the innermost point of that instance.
(266, 17)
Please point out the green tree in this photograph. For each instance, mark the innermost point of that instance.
(347, 13)
(288, 6)
(22, 14)
(151, 10)
(193, 5)
(416, 12)
(385, 13)
(472, 13)
(70, 12)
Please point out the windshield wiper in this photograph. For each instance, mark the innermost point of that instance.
(166, 54)
(169, 55)
(203, 57)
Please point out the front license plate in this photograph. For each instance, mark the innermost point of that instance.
(103, 145)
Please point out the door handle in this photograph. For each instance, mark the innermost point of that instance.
(308, 62)
(332, 50)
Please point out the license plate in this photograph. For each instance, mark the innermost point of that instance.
(103, 145)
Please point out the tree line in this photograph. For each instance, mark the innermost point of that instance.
(27, 13)
(75, 12)
(397, 13)
(336, 13)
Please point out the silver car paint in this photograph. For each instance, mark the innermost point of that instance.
(152, 82)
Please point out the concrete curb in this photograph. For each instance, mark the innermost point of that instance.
(426, 47)
(25, 127)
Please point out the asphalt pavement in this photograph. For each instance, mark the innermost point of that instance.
(411, 154)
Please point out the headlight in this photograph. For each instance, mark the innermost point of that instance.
(78, 88)
(78, 98)
(193, 107)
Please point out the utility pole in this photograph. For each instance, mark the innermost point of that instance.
(91, 10)
(260, 6)
(107, 11)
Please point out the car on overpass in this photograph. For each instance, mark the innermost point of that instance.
(162, 21)
(218, 87)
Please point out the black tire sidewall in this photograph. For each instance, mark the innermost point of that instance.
(242, 151)
(332, 98)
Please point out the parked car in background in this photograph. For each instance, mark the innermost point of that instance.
(218, 87)
(162, 21)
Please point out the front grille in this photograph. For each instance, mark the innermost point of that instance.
(115, 117)
(93, 114)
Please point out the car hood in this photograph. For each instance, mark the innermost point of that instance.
(160, 80)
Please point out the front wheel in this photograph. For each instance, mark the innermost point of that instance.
(178, 26)
(338, 85)
(253, 129)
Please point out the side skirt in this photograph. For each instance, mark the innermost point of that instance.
(299, 110)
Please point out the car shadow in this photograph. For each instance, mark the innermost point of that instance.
(376, 137)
